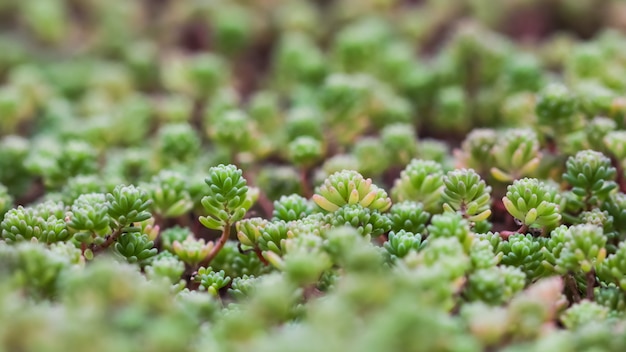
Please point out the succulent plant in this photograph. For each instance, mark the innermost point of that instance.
(451, 225)
(495, 285)
(420, 181)
(165, 266)
(368, 222)
(210, 280)
(533, 203)
(614, 143)
(90, 217)
(227, 200)
(350, 188)
(556, 106)
(409, 216)
(583, 249)
(127, 205)
(293, 207)
(242, 287)
(465, 192)
(305, 151)
(192, 251)
(169, 194)
(401, 243)
(252, 175)
(476, 149)
(591, 176)
(24, 224)
(400, 143)
(516, 154)
(273, 236)
(135, 247)
(583, 313)
(232, 129)
(177, 143)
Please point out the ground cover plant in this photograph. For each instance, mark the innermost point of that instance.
(339, 175)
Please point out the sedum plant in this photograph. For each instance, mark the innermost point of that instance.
(165, 267)
(234, 176)
(291, 208)
(583, 249)
(135, 247)
(516, 154)
(350, 188)
(401, 243)
(465, 192)
(584, 313)
(29, 224)
(614, 142)
(399, 143)
(226, 203)
(170, 194)
(192, 251)
(475, 151)
(449, 225)
(591, 176)
(556, 108)
(409, 216)
(533, 203)
(421, 181)
(368, 222)
(210, 280)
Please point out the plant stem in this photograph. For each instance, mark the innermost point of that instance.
(573, 287)
(310, 292)
(304, 183)
(506, 234)
(218, 246)
(458, 296)
(109, 240)
(591, 283)
(523, 229)
(258, 253)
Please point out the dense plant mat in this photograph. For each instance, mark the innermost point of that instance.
(355, 175)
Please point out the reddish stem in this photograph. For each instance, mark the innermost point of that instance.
(304, 183)
(218, 246)
(109, 240)
(573, 287)
(591, 283)
(506, 234)
(258, 253)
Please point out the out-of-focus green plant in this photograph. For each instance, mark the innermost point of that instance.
(516, 154)
(421, 181)
(168, 191)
